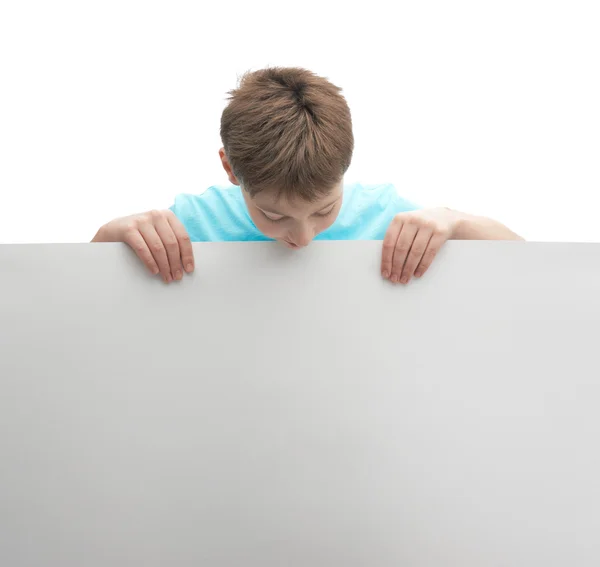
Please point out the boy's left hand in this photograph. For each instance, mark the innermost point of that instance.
(412, 241)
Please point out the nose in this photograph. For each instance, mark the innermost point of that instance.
(303, 235)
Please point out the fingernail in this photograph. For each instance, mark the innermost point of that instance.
(189, 267)
(418, 274)
(169, 278)
(385, 275)
(394, 278)
(178, 275)
(154, 271)
(404, 280)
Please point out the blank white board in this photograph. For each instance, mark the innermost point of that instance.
(290, 408)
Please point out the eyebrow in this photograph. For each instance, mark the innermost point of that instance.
(271, 211)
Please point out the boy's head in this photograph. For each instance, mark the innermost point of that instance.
(287, 141)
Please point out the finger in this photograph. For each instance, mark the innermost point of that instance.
(169, 240)
(135, 240)
(418, 248)
(157, 248)
(389, 245)
(185, 244)
(433, 248)
(403, 246)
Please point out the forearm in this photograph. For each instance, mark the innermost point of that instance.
(471, 227)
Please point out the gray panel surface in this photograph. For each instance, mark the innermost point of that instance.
(292, 409)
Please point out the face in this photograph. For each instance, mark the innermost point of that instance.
(293, 223)
(296, 223)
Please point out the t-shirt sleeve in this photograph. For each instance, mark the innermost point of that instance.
(175, 209)
(187, 212)
(401, 205)
(187, 209)
(372, 208)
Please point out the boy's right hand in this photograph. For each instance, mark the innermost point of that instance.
(158, 238)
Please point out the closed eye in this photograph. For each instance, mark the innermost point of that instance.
(325, 213)
(277, 218)
(273, 218)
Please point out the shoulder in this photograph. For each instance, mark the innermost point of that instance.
(367, 211)
(213, 197)
(217, 214)
(382, 196)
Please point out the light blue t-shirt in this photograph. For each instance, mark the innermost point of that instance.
(220, 214)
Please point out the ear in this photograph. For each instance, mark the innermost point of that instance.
(227, 167)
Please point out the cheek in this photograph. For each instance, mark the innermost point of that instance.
(270, 229)
(325, 222)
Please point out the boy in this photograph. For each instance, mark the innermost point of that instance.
(287, 143)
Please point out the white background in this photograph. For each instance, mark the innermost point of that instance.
(110, 108)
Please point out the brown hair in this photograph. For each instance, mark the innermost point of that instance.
(287, 130)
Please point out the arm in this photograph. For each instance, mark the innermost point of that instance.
(471, 227)
(414, 238)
